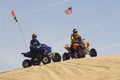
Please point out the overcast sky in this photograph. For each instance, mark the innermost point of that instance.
(98, 21)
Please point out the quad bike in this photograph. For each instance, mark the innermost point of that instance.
(78, 51)
(44, 55)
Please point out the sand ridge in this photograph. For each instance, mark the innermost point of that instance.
(97, 68)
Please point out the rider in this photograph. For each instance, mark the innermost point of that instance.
(76, 38)
(34, 44)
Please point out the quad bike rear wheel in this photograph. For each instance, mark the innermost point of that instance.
(26, 63)
(93, 52)
(46, 59)
(56, 57)
(66, 56)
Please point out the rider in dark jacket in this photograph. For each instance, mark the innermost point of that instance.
(34, 44)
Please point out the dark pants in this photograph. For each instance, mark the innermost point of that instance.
(34, 51)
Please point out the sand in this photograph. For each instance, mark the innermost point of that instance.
(97, 68)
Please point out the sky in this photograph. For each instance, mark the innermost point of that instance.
(98, 21)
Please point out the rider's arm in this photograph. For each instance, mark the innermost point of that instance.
(80, 39)
(71, 36)
(38, 43)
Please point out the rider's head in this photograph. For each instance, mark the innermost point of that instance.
(75, 31)
(34, 36)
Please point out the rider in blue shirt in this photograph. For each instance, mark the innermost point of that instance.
(34, 44)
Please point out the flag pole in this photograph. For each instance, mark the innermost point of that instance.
(68, 12)
(22, 34)
(15, 18)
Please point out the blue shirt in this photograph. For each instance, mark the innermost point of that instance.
(34, 43)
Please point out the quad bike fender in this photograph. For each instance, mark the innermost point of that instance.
(67, 48)
(28, 54)
(87, 44)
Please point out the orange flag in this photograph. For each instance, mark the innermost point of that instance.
(14, 16)
(13, 13)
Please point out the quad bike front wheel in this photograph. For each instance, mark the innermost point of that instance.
(26, 63)
(46, 59)
(56, 57)
(93, 52)
(66, 56)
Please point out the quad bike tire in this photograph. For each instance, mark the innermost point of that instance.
(66, 56)
(46, 59)
(93, 52)
(26, 63)
(56, 57)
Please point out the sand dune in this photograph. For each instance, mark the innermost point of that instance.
(98, 68)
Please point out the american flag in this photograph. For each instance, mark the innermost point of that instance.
(68, 11)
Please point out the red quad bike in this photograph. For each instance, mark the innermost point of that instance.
(78, 51)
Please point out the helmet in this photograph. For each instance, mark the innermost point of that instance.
(75, 30)
(34, 35)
